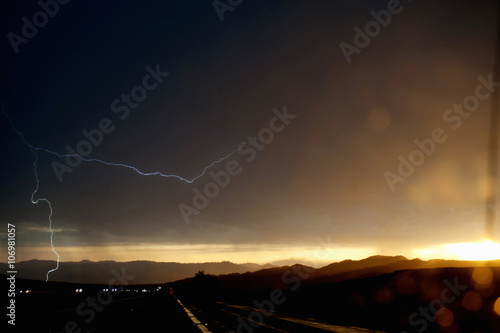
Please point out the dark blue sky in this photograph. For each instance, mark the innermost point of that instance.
(322, 175)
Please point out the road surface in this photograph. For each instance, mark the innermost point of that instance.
(147, 312)
(222, 317)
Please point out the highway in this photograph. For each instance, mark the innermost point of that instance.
(146, 312)
(222, 317)
(128, 312)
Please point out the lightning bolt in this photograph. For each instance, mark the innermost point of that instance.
(156, 173)
(35, 149)
(33, 201)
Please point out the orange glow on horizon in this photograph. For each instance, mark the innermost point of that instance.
(480, 251)
(314, 255)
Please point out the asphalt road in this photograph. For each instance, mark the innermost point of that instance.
(155, 312)
(226, 318)
(127, 312)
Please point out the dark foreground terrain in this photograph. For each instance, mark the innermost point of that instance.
(284, 299)
(425, 300)
(127, 312)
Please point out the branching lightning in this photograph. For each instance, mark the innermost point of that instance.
(33, 201)
(156, 173)
(34, 150)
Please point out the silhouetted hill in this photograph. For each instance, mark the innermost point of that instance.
(252, 276)
(144, 272)
(280, 277)
(351, 265)
(263, 279)
(378, 265)
(387, 297)
(371, 266)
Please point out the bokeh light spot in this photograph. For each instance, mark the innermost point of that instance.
(444, 317)
(384, 296)
(472, 301)
(496, 307)
(406, 285)
(482, 277)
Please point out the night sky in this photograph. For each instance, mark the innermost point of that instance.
(321, 178)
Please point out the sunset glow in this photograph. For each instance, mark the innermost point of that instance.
(484, 250)
(317, 255)
(238, 166)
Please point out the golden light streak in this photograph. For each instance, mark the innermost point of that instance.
(314, 255)
(480, 251)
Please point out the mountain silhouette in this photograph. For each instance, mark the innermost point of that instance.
(144, 272)
(249, 276)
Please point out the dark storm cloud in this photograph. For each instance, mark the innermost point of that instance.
(322, 174)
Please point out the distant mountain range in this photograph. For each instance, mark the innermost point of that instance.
(251, 276)
(378, 293)
(278, 277)
(144, 272)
